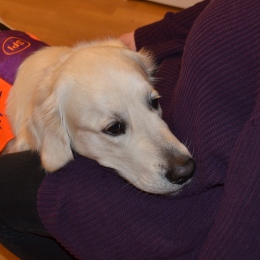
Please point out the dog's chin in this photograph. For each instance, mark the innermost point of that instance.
(154, 183)
(171, 189)
(158, 187)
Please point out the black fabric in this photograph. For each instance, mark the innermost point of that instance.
(21, 230)
(3, 27)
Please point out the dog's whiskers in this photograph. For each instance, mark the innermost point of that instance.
(126, 185)
(188, 144)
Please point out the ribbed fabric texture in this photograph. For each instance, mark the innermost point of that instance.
(209, 82)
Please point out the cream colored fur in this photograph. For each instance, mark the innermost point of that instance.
(66, 98)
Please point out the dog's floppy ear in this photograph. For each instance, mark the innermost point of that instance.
(55, 151)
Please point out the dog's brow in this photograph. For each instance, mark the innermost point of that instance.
(119, 117)
(150, 96)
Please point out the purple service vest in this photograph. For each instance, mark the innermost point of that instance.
(15, 47)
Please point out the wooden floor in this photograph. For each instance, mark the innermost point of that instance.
(68, 21)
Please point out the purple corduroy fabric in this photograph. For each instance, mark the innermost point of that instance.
(208, 76)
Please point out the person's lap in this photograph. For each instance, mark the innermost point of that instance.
(21, 229)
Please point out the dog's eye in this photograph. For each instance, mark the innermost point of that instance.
(117, 128)
(155, 103)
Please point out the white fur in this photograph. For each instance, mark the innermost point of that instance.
(63, 99)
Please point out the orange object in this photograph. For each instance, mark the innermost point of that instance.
(6, 133)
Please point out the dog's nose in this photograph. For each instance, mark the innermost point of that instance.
(181, 171)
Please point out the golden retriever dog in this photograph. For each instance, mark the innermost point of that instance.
(97, 99)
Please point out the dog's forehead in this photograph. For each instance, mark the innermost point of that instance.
(97, 106)
(106, 85)
(106, 73)
(102, 61)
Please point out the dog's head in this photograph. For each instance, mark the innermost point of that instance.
(102, 105)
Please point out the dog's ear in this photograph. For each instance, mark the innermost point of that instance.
(146, 61)
(55, 151)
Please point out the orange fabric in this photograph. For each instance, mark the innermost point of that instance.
(32, 36)
(6, 133)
